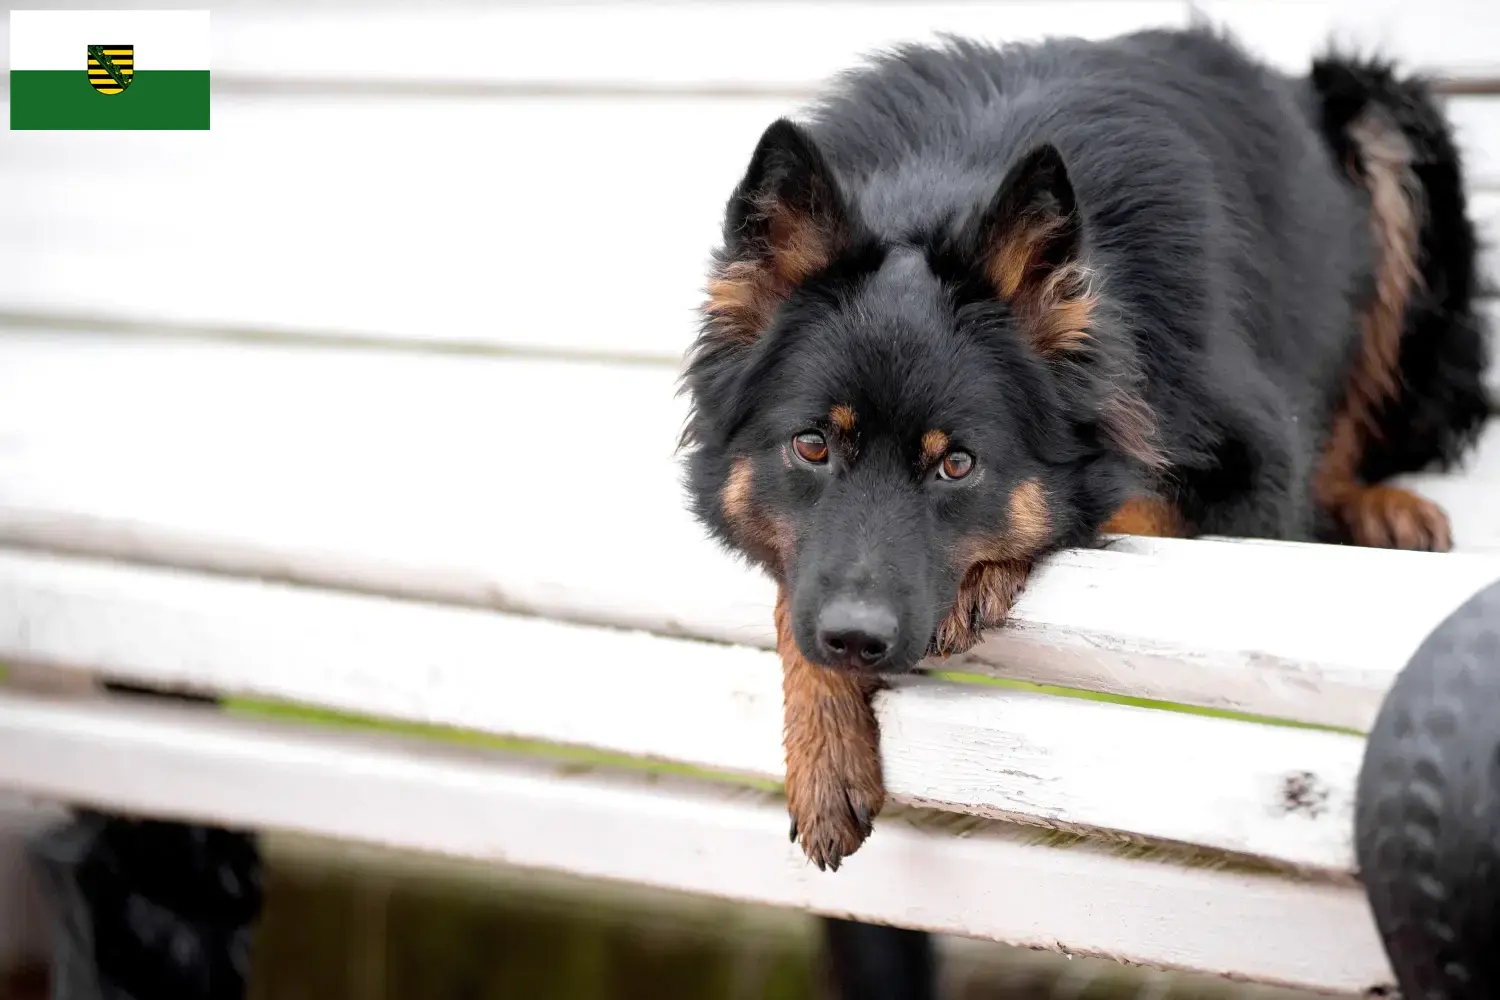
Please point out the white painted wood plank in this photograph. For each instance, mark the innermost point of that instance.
(976, 749)
(467, 229)
(1484, 209)
(1300, 645)
(726, 43)
(446, 237)
(777, 45)
(992, 882)
(1441, 36)
(402, 473)
(1476, 126)
(723, 44)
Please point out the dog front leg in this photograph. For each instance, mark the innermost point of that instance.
(834, 785)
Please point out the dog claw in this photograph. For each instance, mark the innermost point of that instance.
(828, 836)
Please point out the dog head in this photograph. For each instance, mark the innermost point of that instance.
(877, 419)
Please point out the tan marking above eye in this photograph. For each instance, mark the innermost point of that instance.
(956, 465)
(811, 446)
(934, 444)
(842, 417)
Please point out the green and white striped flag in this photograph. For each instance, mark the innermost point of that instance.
(109, 69)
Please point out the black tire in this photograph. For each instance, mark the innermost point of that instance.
(1427, 818)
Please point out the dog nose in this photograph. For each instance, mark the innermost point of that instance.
(856, 633)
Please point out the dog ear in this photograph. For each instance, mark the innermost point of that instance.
(786, 221)
(1029, 240)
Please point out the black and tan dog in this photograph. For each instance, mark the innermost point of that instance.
(987, 303)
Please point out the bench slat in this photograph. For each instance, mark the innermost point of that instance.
(725, 44)
(1285, 795)
(672, 44)
(1476, 127)
(1448, 37)
(336, 243)
(419, 483)
(714, 45)
(1000, 883)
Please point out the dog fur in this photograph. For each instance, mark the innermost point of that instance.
(985, 303)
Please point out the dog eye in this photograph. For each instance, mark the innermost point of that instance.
(810, 446)
(956, 465)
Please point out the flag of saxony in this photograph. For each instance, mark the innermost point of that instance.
(109, 69)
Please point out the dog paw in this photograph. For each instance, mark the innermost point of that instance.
(833, 811)
(1389, 517)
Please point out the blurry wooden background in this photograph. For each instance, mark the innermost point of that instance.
(366, 926)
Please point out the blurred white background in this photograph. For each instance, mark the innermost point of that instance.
(545, 175)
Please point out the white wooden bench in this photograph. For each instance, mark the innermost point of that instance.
(278, 444)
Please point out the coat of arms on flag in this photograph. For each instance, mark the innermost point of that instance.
(111, 67)
(156, 77)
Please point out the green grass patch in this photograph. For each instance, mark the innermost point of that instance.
(584, 757)
(1121, 699)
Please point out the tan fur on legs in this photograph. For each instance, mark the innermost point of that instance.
(834, 785)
